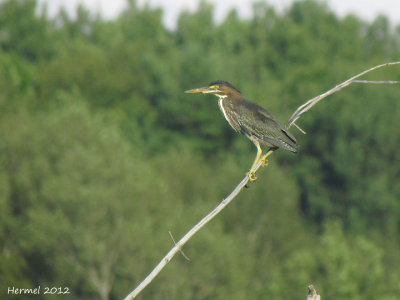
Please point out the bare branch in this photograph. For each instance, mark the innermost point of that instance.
(310, 103)
(312, 293)
(178, 246)
(375, 82)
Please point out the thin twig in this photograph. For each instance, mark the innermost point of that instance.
(375, 82)
(302, 109)
(180, 250)
(299, 128)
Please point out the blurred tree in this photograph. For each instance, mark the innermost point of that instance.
(102, 153)
(22, 30)
(75, 199)
(343, 267)
(15, 81)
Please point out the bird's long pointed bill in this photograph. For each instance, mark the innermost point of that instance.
(204, 90)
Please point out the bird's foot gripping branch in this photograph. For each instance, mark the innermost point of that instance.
(252, 176)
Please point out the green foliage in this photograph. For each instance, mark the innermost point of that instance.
(352, 265)
(101, 154)
(22, 31)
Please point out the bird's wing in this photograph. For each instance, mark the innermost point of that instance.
(258, 122)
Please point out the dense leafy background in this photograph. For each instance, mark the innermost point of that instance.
(101, 153)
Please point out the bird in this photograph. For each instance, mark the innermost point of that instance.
(252, 120)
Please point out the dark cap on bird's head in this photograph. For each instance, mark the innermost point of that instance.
(215, 87)
(223, 83)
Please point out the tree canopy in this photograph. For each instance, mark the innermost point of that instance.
(101, 154)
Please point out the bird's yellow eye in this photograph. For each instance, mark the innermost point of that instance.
(214, 87)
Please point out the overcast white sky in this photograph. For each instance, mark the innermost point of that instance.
(366, 9)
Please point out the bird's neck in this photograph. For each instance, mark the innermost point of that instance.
(221, 103)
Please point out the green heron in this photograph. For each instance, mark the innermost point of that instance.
(250, 119)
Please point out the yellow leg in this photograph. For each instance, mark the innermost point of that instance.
(251, 174)
(264, 158)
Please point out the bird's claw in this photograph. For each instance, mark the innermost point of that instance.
(264, 163)
(252, 176)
